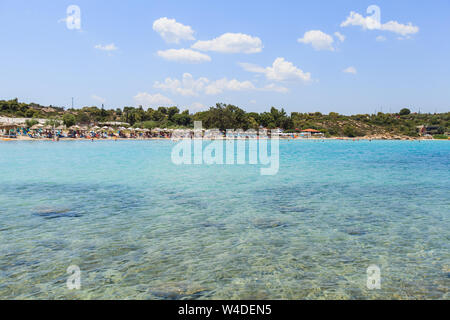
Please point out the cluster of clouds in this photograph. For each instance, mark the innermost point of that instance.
(189, 86)
(280, 72)
(319, 40)
(374, 23)
(173, 32)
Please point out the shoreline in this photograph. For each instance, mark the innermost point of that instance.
(27, 139)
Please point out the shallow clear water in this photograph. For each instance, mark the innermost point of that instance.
(140, 227)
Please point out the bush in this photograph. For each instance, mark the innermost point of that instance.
(69, 120)
(440, 137)
(405, 112)
(352, 132)
(30, 123)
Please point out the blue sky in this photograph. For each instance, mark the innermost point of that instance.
(300, 55)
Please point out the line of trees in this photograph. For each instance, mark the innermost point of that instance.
(226, 116)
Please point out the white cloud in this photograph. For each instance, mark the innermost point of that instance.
(184, 55)
(340, 36)
(224, 84)
(149, 100)
(275, 88)
(98, 99)
(187, 86)
(250, 67)
(231, 43)
(172, 31)
(281, 70)
(197, 106)
(318, 40)
(351, 70)
(402, 29)
(107, 47)
(371, 23)
(380, 38)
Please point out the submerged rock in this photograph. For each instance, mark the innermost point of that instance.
(180, 292)
(356, 232)
(295, 209)
(53, 213)
(269, 223)
(220, 226)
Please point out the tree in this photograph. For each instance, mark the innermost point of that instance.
(182, 119)
(30, 123)
(405, 112)
(171, 112)
(53, 123)
(225, 117)
(69, 120)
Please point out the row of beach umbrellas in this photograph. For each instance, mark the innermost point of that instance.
(40, 126)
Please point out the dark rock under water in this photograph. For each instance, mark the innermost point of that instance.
(54, 213)
(178, 295)
(269, 223)
(355, 232)
(220, 226)
(295, 210)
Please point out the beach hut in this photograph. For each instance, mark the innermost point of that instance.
(311, 131)
(308, 133)
(8, 130)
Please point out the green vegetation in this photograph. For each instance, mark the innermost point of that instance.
(69, 119)
(440, 137)
(225, 116)
(31, 122)
(53, 122)
(405, 112)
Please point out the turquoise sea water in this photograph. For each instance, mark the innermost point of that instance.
(140, 227)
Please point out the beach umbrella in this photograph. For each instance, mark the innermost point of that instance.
(8, 126)
(37, 126)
